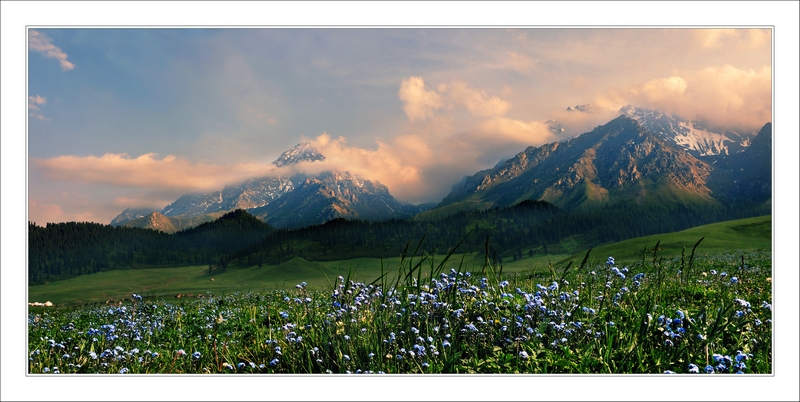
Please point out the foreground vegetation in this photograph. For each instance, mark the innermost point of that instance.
(687, 314)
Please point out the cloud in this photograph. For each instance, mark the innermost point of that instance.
(521, 63)
(148, 200)
(726, 96)
(718, 38)
(43, 44)
(419, 103)
(421, 166)
(662, 89)
(70, 209)
(45, 212)
(477, 102)
(146, 171)
(398, 164)
(34, 106)
(501, 129)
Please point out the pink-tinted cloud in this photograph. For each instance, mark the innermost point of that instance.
(69, 210)
(717, 37)
(34, 106)
(419, 103)
(422, 165)
(43, 44)
(477, 102)
(521, 63)
(146, 171)
(505, 130)
(726, 96)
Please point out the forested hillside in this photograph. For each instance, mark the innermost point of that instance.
(528, 228)
(63, 250)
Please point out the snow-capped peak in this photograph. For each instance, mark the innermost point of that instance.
(302, 152)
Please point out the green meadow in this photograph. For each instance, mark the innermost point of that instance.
(729, 236)
(744, 234)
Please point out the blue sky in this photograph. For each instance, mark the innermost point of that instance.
(136, 117)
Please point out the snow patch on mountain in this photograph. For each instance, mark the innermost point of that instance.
(702, 141)
(694, 136)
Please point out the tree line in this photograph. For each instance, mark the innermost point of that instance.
(63, 250)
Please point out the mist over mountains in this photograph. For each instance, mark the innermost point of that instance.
(291, 202)
(643, 156)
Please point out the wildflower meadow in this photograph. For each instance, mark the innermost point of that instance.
(708, 314)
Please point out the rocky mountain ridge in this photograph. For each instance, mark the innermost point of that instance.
(621, 161)
(697, 137)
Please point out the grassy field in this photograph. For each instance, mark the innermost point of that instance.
(745, 234)
(710, 315)
(742, 234)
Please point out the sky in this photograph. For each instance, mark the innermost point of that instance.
(137, 117)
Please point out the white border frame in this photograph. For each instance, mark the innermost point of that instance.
(782, 15)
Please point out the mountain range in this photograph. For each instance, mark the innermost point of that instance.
(287, 202)
(643, 156)
(627, 161)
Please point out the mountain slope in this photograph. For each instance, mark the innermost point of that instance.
(616, 162)
(167, 224)
(695, 136)
(252, 193)
(130, 214)
(332, 195)
(746, 176)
